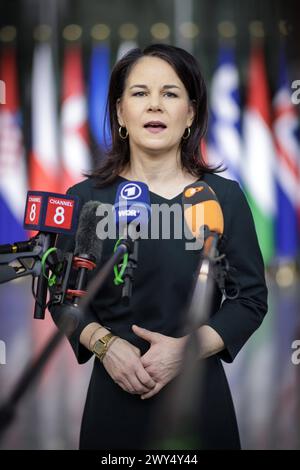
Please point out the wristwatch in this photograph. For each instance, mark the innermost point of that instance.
(101, 346)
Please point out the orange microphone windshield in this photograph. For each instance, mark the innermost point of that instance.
(202, 208)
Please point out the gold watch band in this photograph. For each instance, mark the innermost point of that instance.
(101, 346)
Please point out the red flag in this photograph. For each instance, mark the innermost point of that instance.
(259, 152)
(44, 162)
(75, 151)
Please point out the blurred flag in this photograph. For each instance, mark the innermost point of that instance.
(13, 178)
(258, 168)
(124, 47)
(98, 91)
(286, 126)
(75, 150)
(44, 163)
(15, 305)
(224, 138)
(15, 302)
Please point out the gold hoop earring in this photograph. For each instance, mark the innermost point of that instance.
(185, 137)
(124, 137)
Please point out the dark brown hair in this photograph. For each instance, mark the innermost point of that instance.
(187, 69)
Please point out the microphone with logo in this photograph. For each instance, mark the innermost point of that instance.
(132, 212)
(49, 214)
(204, 218)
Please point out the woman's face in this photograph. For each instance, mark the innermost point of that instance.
(155, 107)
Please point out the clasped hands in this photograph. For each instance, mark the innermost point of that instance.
(144, 375)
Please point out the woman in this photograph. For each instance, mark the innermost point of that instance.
(158, 116)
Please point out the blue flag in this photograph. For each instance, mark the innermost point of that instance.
(286, 131)
(98, 90)
(224, 137)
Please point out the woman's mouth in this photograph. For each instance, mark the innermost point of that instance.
(155, 127)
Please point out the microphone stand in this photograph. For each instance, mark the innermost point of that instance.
(8, 408)
(179, 411)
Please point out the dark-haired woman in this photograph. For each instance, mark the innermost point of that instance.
(158, 114)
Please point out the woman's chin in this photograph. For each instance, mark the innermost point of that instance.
(156, 147)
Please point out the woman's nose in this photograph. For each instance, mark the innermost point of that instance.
(154, 103)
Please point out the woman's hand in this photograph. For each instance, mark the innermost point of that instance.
(123, 363)
(163, 360)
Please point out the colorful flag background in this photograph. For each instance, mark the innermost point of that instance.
(74, 130)
(98, 90)
(286, 135)
(224, 137)
(44, 160)
(15, 297)
(259, 153)
(262, 154)
(13, 172)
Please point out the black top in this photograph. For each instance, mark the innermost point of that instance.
(162, 288)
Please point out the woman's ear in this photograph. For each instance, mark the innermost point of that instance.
(191, 112)
(119, 112)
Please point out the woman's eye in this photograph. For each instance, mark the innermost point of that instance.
(139, 93)
(170, 94)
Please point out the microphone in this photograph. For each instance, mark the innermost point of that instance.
(203, 216)
(87, 254)
(132, 211)
(50, 214)
(86, 239)
(132, 207)
(205, 208)
(88, 248)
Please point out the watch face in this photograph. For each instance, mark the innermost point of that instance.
(99, 347)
